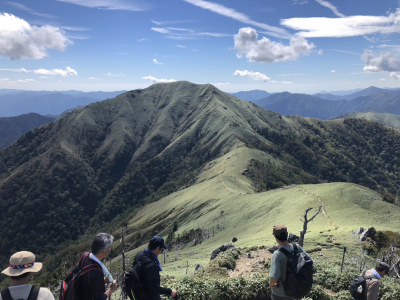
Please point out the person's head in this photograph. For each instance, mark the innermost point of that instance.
(382, 268)
(157, 245)
(101, 245)
(280, 233)
(22, 266)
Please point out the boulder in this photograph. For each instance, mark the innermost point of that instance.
(198, 266)
(367, 233)
(360, 230)
(223, 248)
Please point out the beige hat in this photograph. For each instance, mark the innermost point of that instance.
(22, 262)
(278, 229)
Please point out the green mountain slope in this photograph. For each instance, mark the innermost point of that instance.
(390, 120)
(13, 127)
(93, 167)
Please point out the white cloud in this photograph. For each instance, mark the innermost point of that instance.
(331, 7)
(142, 40)
(5, 79)
(394, 76)
(253, 75)
(156, 62)
(221, 84)
(43, 77)
(19, 40)
(344, 27)
(154, 79)
(161, 30)
(57, 72)
(320, 51)
(333, 71)
(180, 46)
(23, 81)
(20, 70)
(115, 75)
(267, 51)
(384, 62)
(92, 78)
(300, 2)
(25, 8)
(109, 4)
(238, 16)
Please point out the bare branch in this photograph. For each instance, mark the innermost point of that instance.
(319, 210)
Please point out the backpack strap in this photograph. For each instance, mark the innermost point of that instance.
(33, 295)
(6, 295)
(296, 249)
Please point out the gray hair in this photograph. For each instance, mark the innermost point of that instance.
(101, 242)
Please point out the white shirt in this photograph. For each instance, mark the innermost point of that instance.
(21, 292)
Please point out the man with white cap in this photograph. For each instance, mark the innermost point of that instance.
(22, 266)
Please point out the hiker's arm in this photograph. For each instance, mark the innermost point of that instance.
(154, 285)
(373, 289)
(96, 280)
(273, 283)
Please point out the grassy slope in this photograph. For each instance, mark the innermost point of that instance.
(384, 118)
(250, 217)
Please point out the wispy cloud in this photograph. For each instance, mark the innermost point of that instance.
(221, 84)
(161, 30)
(31, 11)
(299, 2)
(114, 75)
(156, 62)
(331, 7)
(320, 51)
(20, 40)
(92, 78)
(142, 40)
(169, 22)
(344, 27)
(186, 33)
(333, 71)
(110, 4)
(157, 80)
(344, 51)
(20, 70)
(394, 76)
(267, 51)
(238, 16)
(17, 81)
(57, 72)
(184, 47)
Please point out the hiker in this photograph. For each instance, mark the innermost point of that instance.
(22, 266)
(279, 261)
(150, 270)
(93, 282)
(372, 285)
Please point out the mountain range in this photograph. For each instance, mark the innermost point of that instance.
(96, 166)
(17, 102)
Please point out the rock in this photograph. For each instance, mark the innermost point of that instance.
(249, 255)
(198, 266)
(223, 248)
(370, 232)
(234, 240)
(360, 230)
(292, 238)
(321, 254)
(224, 268)
(215, 253)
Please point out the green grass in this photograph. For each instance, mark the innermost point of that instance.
(250, 217)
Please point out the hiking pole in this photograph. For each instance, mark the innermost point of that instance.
(344, 253)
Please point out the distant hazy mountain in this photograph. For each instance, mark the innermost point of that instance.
(15, 102)
(384, 118)
(14, 127)
(341, 93)
(366, 92)
(311, 106)
(253, 95)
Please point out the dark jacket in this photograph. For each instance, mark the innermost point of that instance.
(92, 286)
(150, 277)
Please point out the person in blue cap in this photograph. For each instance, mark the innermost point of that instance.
(150, 270)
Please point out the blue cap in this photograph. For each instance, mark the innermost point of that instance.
(158, 241)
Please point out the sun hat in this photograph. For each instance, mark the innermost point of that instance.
(278, 229)
(158, 241)
(22, 262)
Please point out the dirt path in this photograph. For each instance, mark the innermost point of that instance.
(246, 266)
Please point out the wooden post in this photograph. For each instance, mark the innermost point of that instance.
(187, 267)
(344, 253)
(123, 267)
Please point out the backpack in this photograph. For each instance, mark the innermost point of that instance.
(356, 283)
(70, 284)
(133, 286)
(33, 294)
(299, 273)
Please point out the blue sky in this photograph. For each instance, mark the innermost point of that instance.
(304, 46)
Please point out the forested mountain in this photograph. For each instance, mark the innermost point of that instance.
(17, 102)
(102, 161)
(390, 120)
(311, 106)
(13, 127)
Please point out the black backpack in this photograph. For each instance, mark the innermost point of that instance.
(71, 282)
(299, 273)
(33, 294)
(133, 286)
(356, 283)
